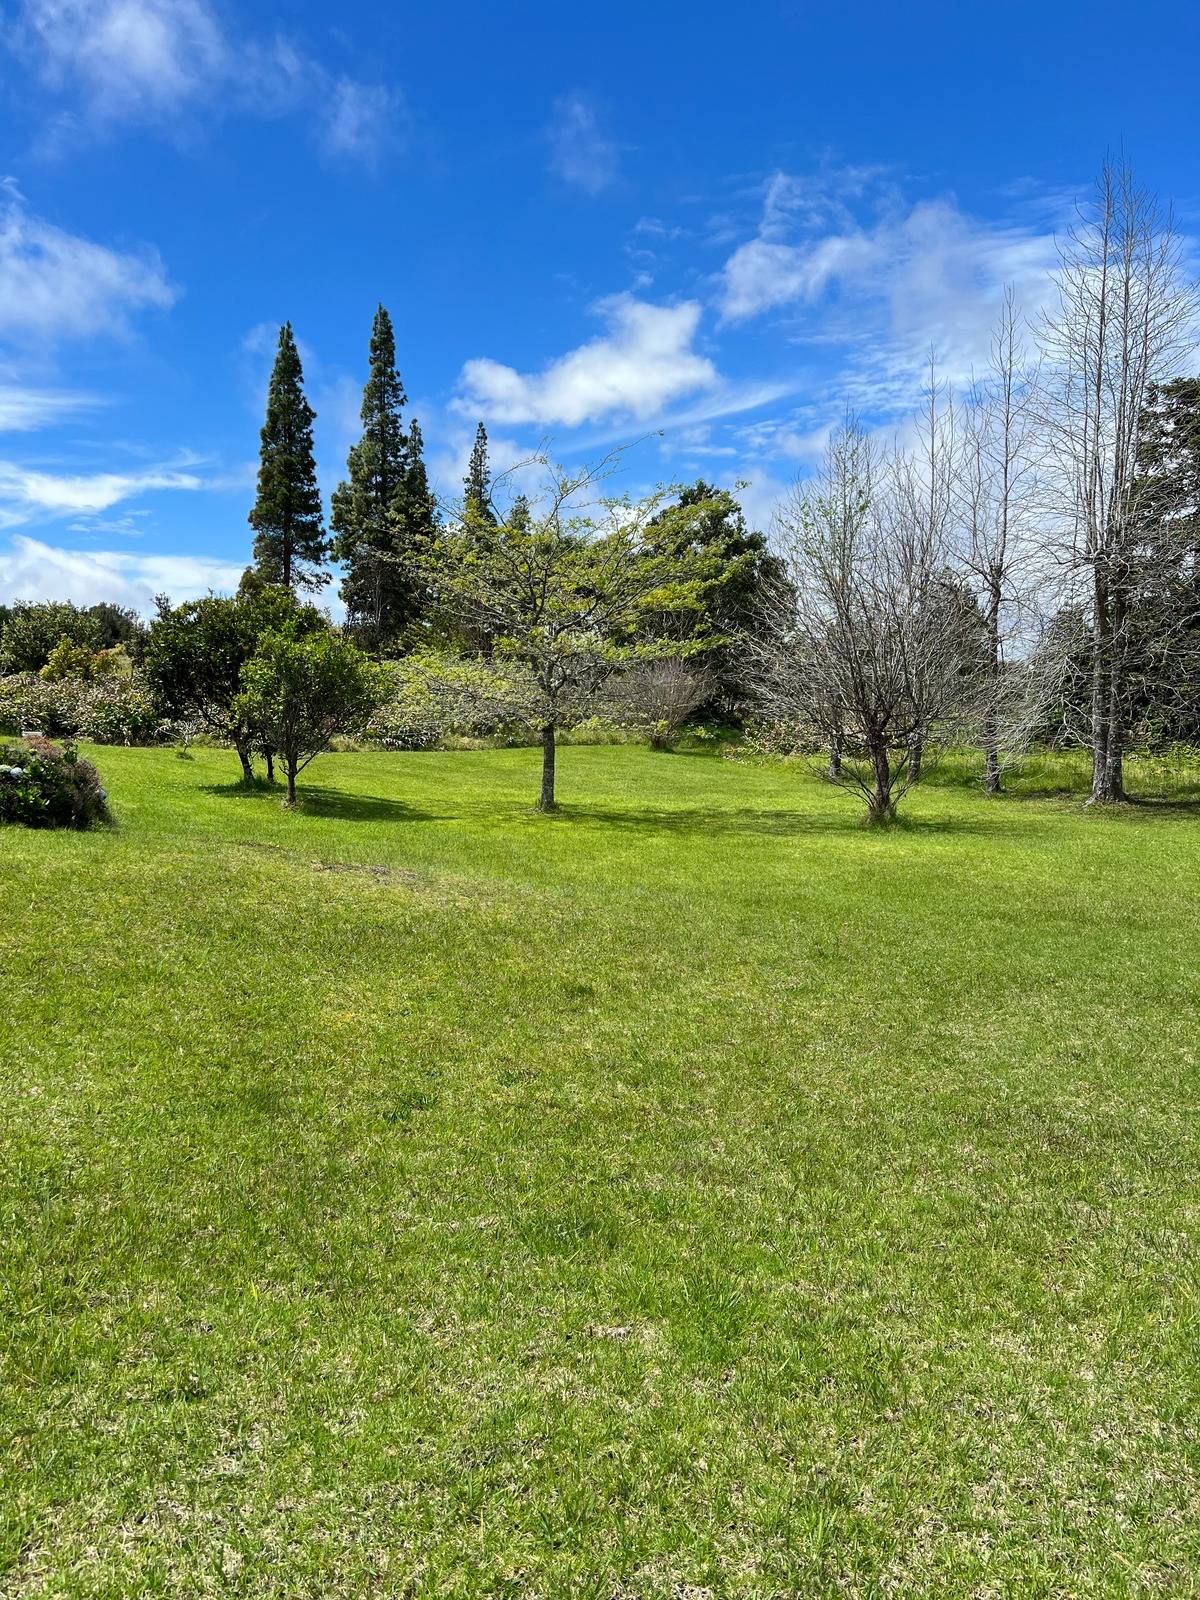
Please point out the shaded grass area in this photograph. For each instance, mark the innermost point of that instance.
(686, 1194)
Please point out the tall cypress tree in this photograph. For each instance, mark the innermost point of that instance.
(371, 508)
(477, 485)
(287, 518)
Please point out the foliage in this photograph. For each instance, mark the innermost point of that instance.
(435, 695)
(287, 517)
(43, 785)
(108, 709)
(31, 631)
(477, 485)
(714, 524)
(567, 594)
(384, 511)
(70, 660)
(195, 655)
(300, 689)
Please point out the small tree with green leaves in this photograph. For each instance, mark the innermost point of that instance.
(195, 654)
(288, 521)
(301, 690)
(566, 593)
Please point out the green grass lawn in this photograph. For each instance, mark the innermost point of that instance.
(688, 1195)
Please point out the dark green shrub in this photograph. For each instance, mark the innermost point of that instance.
(43, 785)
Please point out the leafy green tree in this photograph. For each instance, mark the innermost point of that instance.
(1164, 620)
(384, 507)
(287, 518)
(704, 518)
(32, 630)
(567, 597)
(195, 654)
(477, 485)
(300, 690)
(68, 660)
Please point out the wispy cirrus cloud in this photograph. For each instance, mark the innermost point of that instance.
(167, 63)
(128, 60)
(26, 407)
(27, 492)
(581, 153)
(56, 285)
(867, 281)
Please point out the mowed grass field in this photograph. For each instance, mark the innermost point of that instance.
(688, 1195)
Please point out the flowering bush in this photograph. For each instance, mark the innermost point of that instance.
(109, 708)
(45, 786)
(436, 695)
(779, 739)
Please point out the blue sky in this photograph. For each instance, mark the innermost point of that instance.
(589, 224)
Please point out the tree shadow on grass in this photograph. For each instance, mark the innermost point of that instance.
(318, 800)
(727, 820)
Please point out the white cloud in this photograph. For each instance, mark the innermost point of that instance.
(881, 291)
(23, 408)
(580, 153)
(130, 60)
(26, 492)
(32, 570)
(160, 61)
(643, 362)
(360, 121)
(55, 284)
(762, 273)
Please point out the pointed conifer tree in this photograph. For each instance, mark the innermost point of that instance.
(288, 521)
(371, 509)
(477, 485)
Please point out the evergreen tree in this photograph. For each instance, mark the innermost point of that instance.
(419, 506)
(290, 544)
(477, 485)
(372, 509)
(706, 518)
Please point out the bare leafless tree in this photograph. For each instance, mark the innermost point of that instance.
(921, 505)
(1124, 317)
(998, 487)
(658, 697)
(867, 646)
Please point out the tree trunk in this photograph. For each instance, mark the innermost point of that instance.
(991, 732)
(270, 755)
(244, 757)
(881, 808)
(547, 802)
(834, 770)
(291, 781)
(1106, 684)
(916, 758)
(1114, 768)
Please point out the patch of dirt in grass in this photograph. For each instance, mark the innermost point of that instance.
(375, 869)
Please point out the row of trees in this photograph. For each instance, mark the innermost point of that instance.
(574, 591)
(1031, 563)
(1025, 563)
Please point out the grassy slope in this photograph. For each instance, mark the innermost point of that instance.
(689, 1194)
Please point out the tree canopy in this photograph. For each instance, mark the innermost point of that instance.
(287, 517)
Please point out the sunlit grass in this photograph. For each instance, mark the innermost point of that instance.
(687, 1194)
